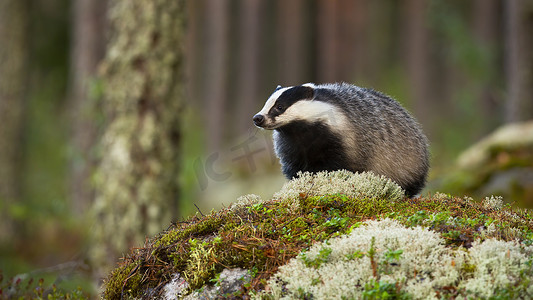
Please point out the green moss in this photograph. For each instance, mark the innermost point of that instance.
(206, 225)
(469, 268)
(124, 280)
(200, 264)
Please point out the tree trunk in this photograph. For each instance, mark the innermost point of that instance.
(417, 57)
(137, 177)
(519, 60)
(486, 30)
(293, 57)
(88, 47)
(341, 36)
(354, 52)
(216, 71)
(13, 84)
(328, 43)
(248, 71)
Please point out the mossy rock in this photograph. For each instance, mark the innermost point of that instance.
(268, 237)
(501, 163)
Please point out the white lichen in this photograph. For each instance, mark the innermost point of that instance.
(441, 196)
(229, 281)
(499, 266)
(414, 262)
(493, 202)
(176, 288)
(246, 200)
(468, 199)
(356, 185)
(414, 258)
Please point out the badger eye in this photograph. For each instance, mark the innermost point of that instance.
(279, 107)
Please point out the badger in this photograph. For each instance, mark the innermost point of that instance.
(329, 127)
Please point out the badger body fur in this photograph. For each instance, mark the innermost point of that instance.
(341, 126)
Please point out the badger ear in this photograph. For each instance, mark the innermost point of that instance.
(308, 91)
(277, 88)
(296, 93)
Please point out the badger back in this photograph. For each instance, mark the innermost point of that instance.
(398, 146)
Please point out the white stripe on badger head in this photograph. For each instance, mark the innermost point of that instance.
(272, 100)
(314, 111)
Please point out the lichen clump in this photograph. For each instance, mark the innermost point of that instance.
(359, 185)
(424, 246)
(386, 259)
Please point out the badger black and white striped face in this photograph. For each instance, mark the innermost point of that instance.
(296, 103)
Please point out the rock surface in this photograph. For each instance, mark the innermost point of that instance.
(500, 164)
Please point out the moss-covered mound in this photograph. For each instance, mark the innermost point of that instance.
(262, 236)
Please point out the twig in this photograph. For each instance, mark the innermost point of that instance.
(199, 210)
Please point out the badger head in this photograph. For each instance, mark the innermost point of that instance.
(291, 104)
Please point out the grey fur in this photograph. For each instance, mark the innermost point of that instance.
(372, 132)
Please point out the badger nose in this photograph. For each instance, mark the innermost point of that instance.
(258, 119)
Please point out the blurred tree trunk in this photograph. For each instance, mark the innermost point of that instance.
(357, 67)
(193, 63)
(341, 39)
(519, 60)
(14, 45)
(248, 71)
(327, 41)
(293, 62)
(486, 30)
(418, 62)
(137, 178)
(88, 47)
(216, 79)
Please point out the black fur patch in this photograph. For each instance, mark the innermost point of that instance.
(415, 186)
(312, 147)
(289, 97)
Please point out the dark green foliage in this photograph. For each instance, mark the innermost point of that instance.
(383, 290)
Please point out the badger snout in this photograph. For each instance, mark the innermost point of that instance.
(259, 120)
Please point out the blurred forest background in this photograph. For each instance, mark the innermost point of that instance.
(116, 118)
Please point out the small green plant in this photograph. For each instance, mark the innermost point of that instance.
(439, 218)
(393, 255)
(528, 238)
(383, 290)
(336, 223)
(323, 256)
(452, 235)
(355, 255)
(257, 207)
(390, 260)
(418, 218)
